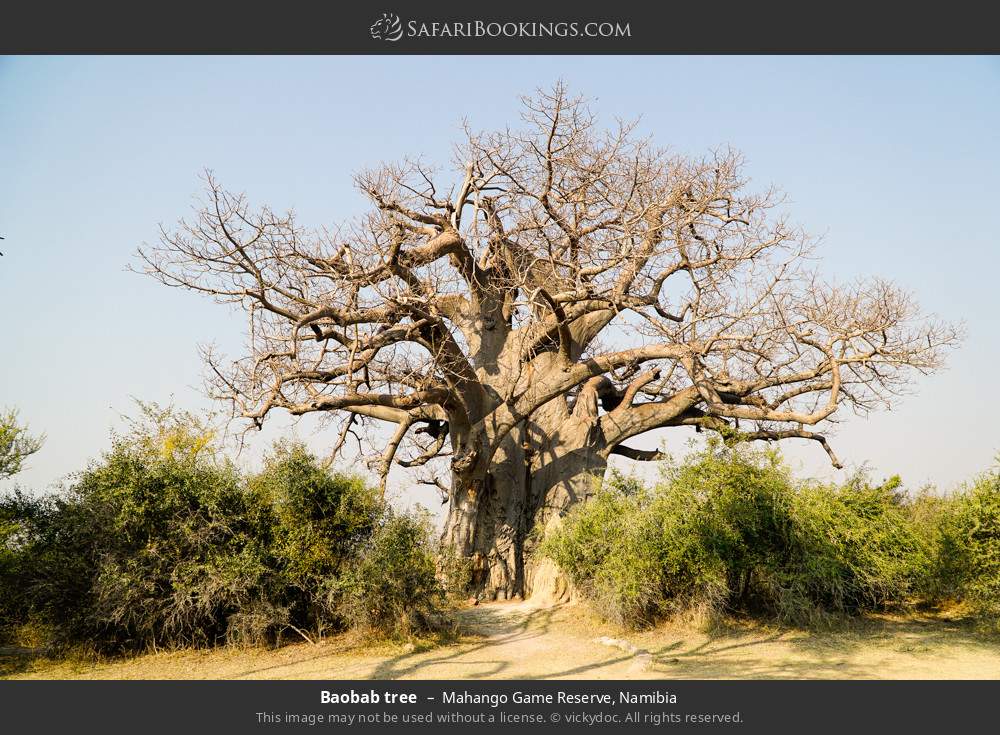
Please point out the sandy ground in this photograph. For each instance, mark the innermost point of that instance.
(523, 641)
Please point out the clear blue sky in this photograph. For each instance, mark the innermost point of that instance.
(895, 161)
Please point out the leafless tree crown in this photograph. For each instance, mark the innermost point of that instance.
(561, 261)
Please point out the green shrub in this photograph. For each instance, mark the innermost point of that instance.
(852, 548)
(635, 554)
(164, 543)
(321, 522)
(962, 531)
(976, 546)
(732, 530)
(393, 588)
(156, 544)
(17, 512)
(937, 520)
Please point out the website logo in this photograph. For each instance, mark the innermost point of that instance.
(387, 28)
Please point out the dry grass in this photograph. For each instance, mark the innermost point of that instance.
(520, 640)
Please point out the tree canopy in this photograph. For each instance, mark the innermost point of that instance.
(557, 268)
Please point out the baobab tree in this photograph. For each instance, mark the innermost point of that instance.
(564, 289)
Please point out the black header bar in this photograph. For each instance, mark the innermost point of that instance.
(396, 27)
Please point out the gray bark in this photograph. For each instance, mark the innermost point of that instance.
(544, 467)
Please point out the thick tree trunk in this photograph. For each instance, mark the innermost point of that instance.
(542, 469)
(486, 522)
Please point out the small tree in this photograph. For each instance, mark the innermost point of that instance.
(568, 290)
(16, 444)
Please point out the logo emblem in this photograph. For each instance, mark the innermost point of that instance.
(387, 28)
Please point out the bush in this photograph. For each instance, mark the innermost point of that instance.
(163, 542)
(971, 542)
(321, 523)
(16, 518)
(853, 549)
(393, 588)
(962, 531)
(156, 544)
(635, 553)
(730, 530)
(937, 520)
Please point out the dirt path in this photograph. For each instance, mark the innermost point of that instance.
(521, 640)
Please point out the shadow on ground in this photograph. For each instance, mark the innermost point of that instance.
(870, 648)
(524, 641)
(515, 640)
(16, 659)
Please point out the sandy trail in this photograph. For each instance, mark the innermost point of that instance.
(524, 641)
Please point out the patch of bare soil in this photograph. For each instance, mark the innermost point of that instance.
(522, 640)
